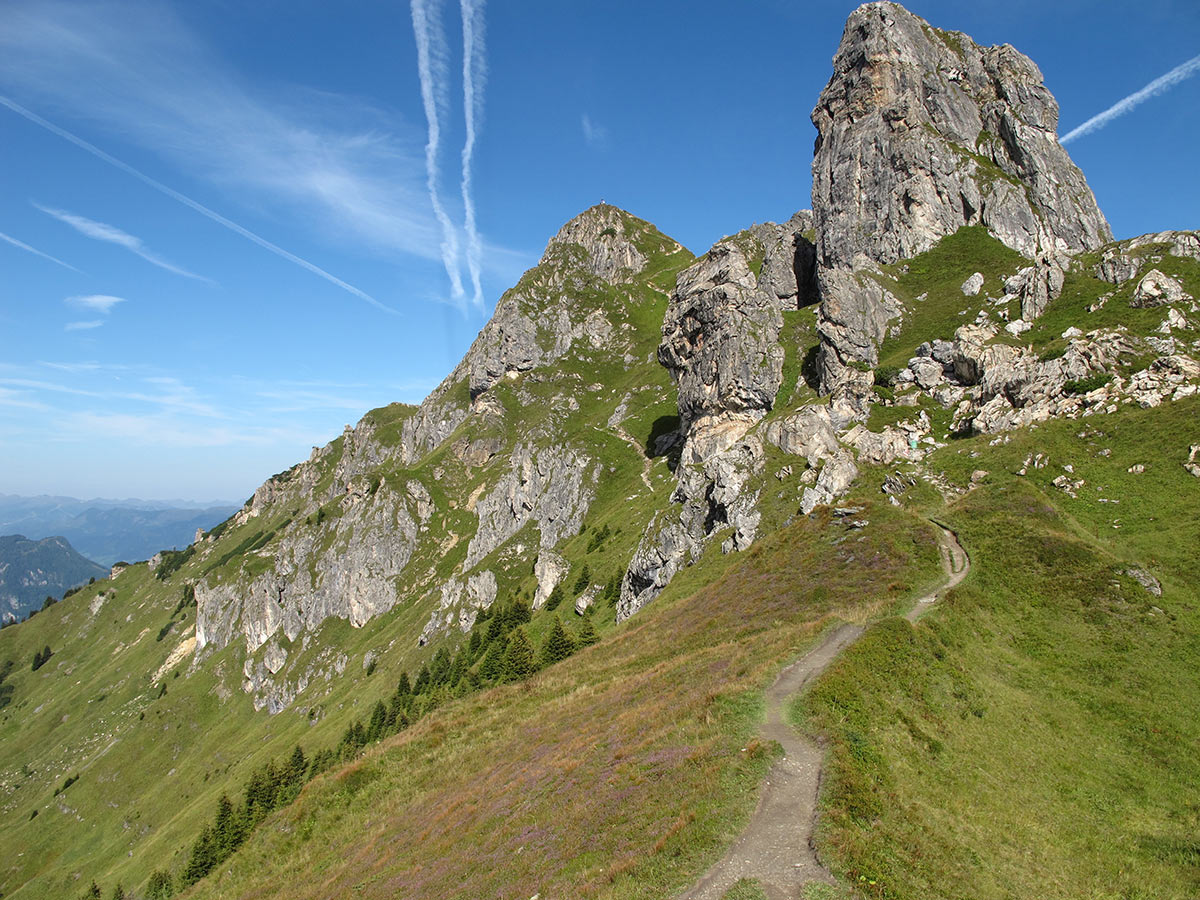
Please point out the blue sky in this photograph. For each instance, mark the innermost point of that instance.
(216, 225)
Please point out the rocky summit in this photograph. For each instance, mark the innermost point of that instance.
(513, 641)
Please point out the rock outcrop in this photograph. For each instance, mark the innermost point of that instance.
(721, 346)
(921, 132)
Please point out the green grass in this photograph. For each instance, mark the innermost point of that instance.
(745, 889)
(1035, 734)
(939, 274)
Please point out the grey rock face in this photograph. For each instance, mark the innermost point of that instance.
(551, 486)
(835, 479)
(808, 433)
(550, 569)
(923, 131)
(1035, 286)
(1117, 265)
(788, 270)
(721, 345)
(607, 251)
(855, 311)
(972, 285)
(1157, 289)
(713, 497)
(356, 567)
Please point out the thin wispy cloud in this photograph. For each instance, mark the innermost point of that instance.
(101, 303)
(327, 162)
(192, 204)
(1158, 86)
(102, 231)
(432, 70)
(474, 79)
(22, 245)
(594, 133)
(84, 326)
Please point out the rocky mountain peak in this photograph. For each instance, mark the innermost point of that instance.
(607, 236)
(922, 131)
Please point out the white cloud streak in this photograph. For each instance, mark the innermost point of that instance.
(190, 203)
(474, 81)
(432, 71)
(12, 240)
(593, 132)
(101, 303)
(101, 231)
(83, 326)
(1153, 89)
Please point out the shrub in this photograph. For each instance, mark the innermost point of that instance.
(1087, 385)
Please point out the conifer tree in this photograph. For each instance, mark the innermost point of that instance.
(404, 688)
(422, 684)
(496, 628)
(584, 579)
(224, 829)
(493, 660)
(558, 645)
(92, 893)
(439, 669)
(296, 767)
(587, 633)
(518, 657)
(555, 599)
(474, 647)
(160, 886)
(375, 730)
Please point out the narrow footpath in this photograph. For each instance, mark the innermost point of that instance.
(777, 846)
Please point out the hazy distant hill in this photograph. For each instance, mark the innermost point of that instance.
(31, 571)
(110, 530)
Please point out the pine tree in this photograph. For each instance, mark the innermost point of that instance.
(496, 628)
(555, 599)
(518, 657)
(224, 830)
(375, 730)
(558, 645)
(92, 893)
(439, 669)
(587, 633)
(160, 886)
(474, 647)
(118, 892)
(296, 767)
(493, 662)
(422, 684)
(584, 579)
(404, 688)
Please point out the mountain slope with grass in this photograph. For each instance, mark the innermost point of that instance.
(36, 573)
(515, 641)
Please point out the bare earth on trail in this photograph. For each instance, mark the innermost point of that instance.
(776, 847)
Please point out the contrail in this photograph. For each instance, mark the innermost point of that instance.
(101, 231)
(474, 75)
(190, 203)
(1153, 89)
(36, 252)
(431, 68)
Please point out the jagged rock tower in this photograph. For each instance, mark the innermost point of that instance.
(920, 132)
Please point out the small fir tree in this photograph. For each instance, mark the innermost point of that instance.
(584, 579)
(518, 657)
(555, 599)
(587, 633)
(493, 660)
(558, 645)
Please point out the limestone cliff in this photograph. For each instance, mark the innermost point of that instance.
(920, 132)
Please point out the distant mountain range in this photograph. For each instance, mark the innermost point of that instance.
(31, 571)
(108, 531)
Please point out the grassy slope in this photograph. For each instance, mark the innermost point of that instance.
(1035, 736)
(94, 709)
(619, 773)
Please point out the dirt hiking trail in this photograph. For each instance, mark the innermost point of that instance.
(777, 846)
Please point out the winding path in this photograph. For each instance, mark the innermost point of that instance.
(777, 846)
